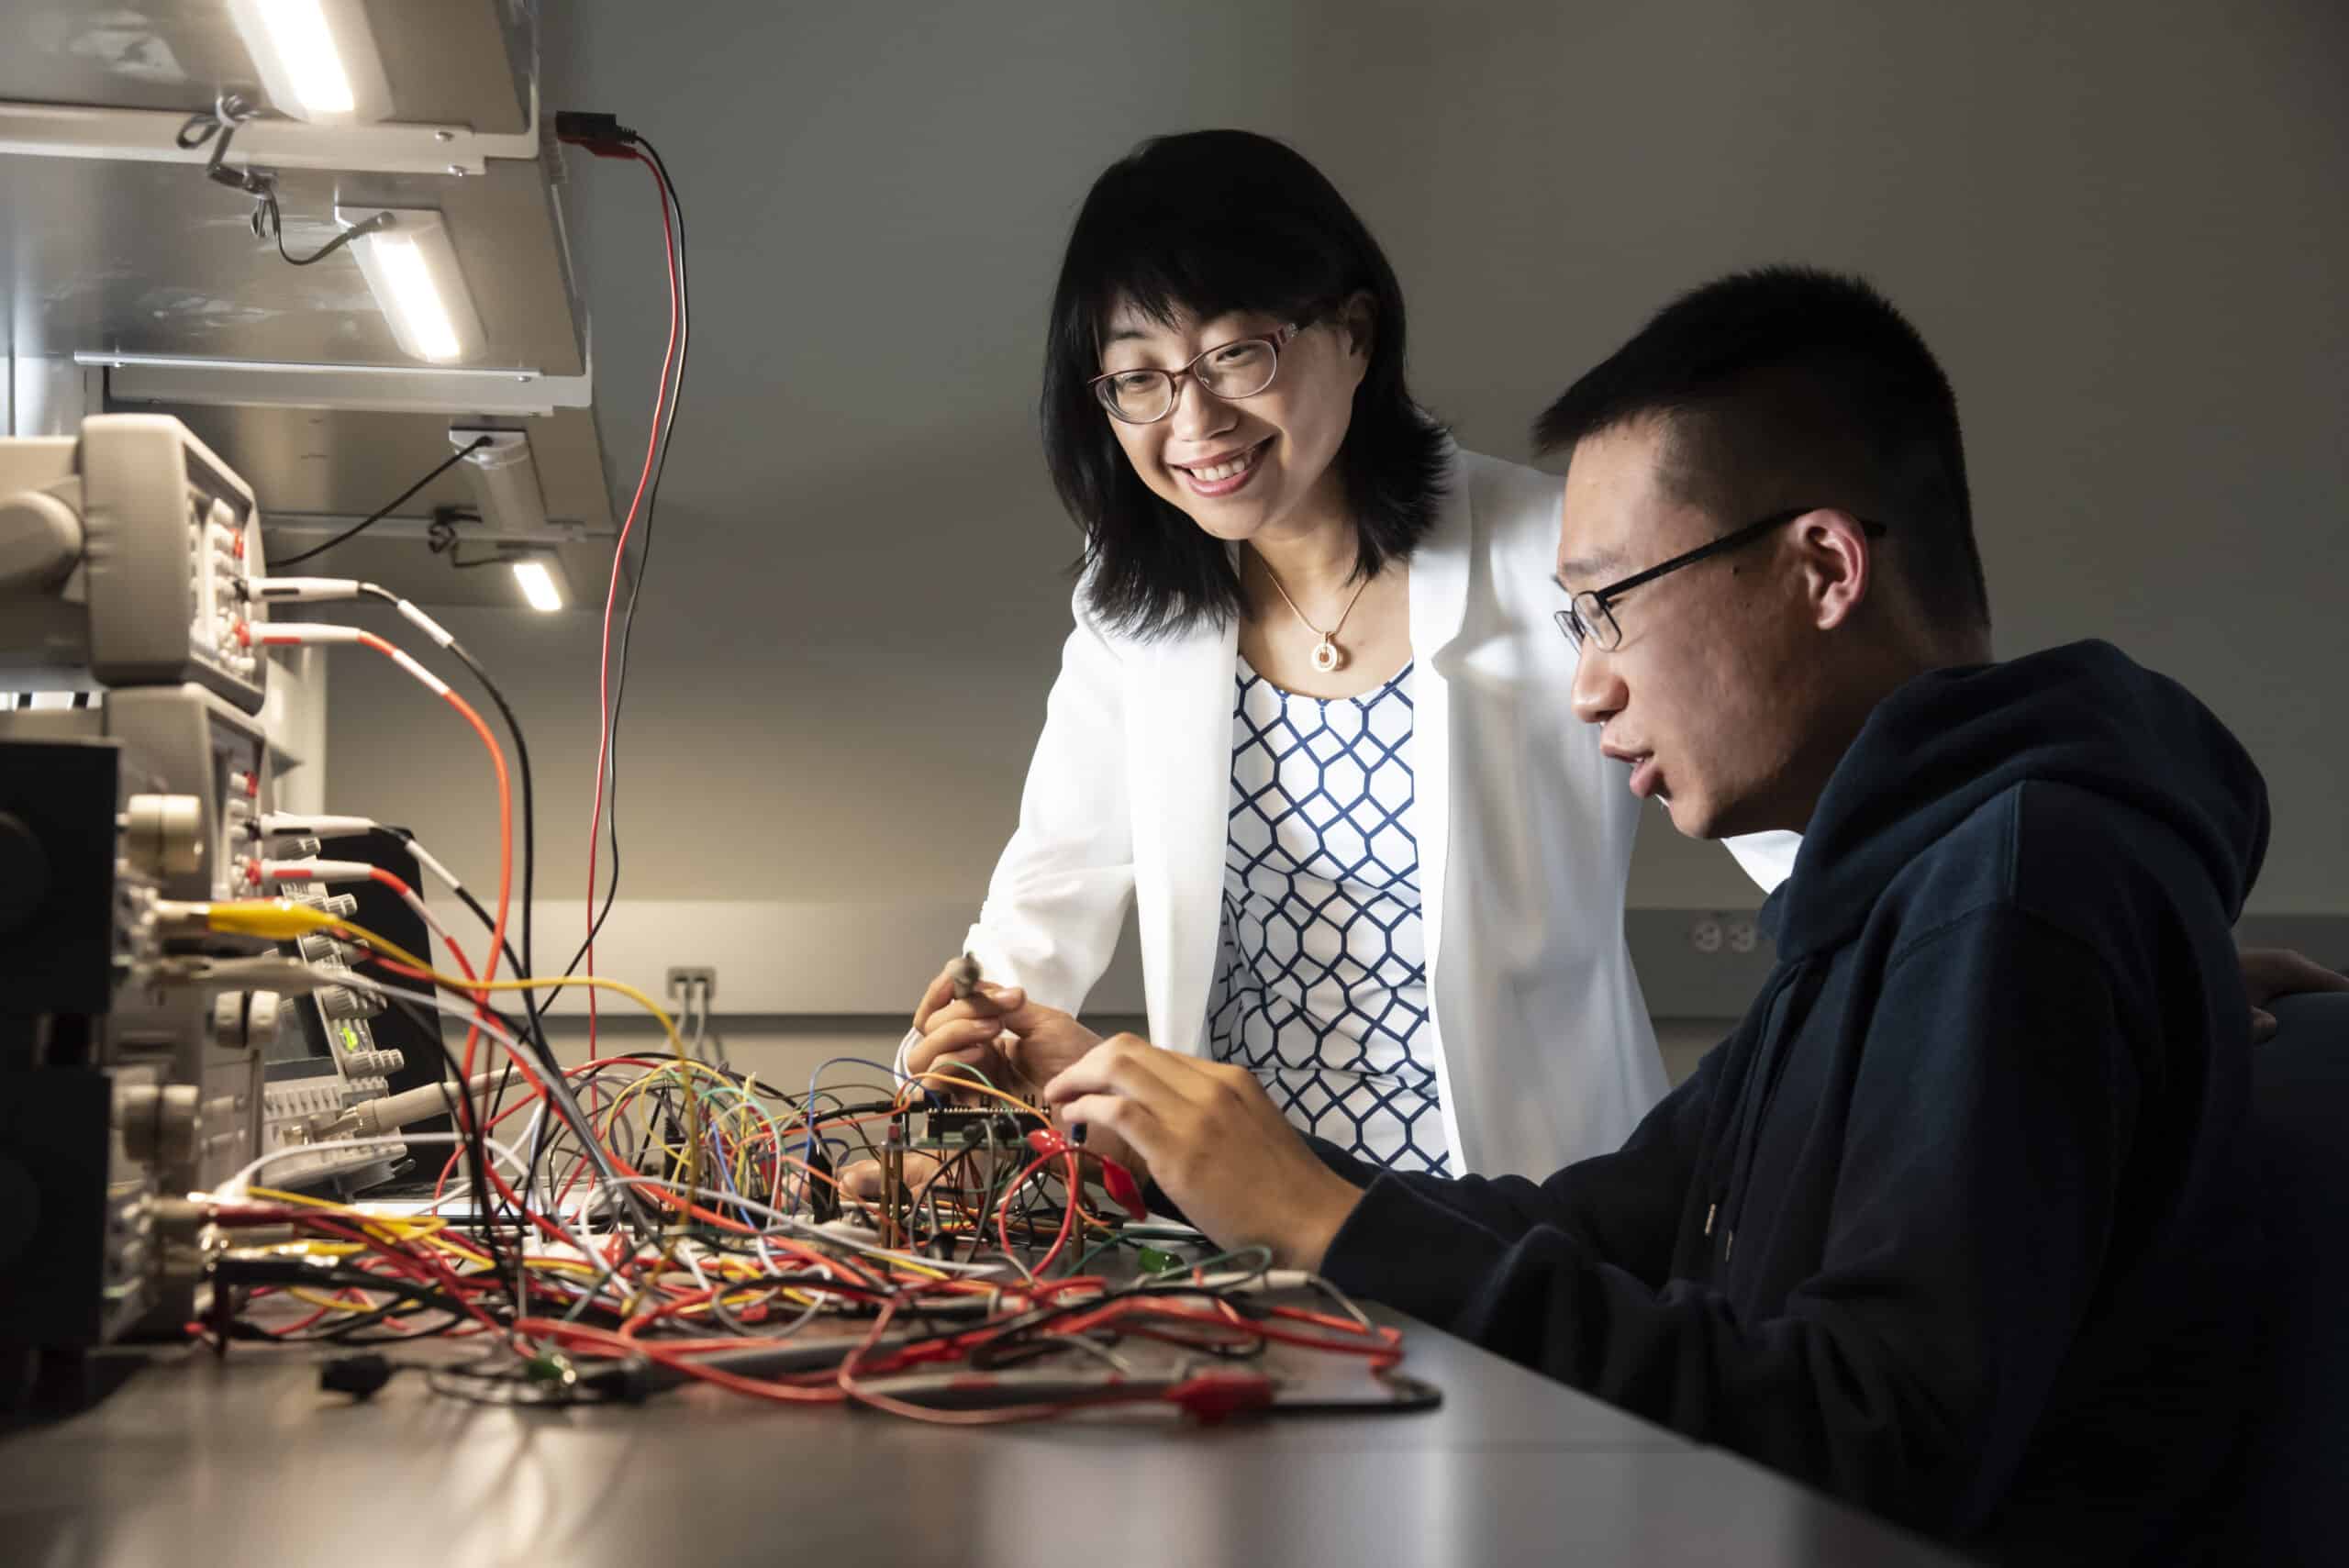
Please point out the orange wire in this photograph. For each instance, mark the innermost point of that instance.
(505, 822)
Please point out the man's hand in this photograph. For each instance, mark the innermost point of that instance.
(2270, 972)
(1211, 1139)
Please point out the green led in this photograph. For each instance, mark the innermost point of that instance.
(1156, 1261)
(350, 1037)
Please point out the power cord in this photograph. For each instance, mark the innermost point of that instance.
(219, 126)
(604, 136)
(394, 505)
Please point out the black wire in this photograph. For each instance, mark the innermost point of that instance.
(388, 508)
(440, 537)
(473, 1140)
(440, 534)
(530, 1032)
(644, 556)
(536, 1032)
(529, 819)
(379, 220)
(407, 1296)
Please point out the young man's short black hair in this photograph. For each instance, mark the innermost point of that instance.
(1212, 222)
(1790, 378)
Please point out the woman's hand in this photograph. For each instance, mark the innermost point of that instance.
(1017, 1045)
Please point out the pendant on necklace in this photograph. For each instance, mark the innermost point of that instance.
(1326, 657)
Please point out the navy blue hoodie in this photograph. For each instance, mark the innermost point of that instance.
(1952, 1226)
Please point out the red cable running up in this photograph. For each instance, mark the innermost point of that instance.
(612, 594)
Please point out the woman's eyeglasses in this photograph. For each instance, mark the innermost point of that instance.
(1241, 368)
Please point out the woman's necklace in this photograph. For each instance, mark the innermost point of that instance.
(1327, 655)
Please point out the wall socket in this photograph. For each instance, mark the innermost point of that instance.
(1724, 933)
(682, 976)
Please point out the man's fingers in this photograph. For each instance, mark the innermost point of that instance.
(2307, 974)
(1124, 1065)
(2263, 1025)
(1133, 1130)
(2270, 972)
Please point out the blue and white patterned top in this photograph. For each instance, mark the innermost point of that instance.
(1321, 980)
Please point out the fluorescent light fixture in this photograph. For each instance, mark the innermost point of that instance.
(411, 264)
(318, 59)
(411, 299)
(505, 479)
(539, 585)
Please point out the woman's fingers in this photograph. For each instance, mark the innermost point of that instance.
(986, 1001)
(968, 1040)
(940, 992)
(939, 1000)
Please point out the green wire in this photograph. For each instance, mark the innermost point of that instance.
(1115, 1239)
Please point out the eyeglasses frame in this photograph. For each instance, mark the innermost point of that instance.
(1601, 599)
(1275, 340)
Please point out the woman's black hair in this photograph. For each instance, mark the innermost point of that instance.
(1212, 222)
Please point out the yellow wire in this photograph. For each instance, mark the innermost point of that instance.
(281, 919)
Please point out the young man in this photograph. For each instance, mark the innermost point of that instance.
(1951, 1225)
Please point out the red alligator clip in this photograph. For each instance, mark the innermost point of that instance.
(1213, 1397)
(1124, 1191)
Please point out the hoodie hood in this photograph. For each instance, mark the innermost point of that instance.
(1936, 749)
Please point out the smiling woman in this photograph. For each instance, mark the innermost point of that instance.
(1386, 881)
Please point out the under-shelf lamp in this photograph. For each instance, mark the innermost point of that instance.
(318, 59)
(411, 264)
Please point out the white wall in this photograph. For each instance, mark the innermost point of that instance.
(2120, 224)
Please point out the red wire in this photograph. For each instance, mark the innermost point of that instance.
(504, 827)
(1068, 1213)
(505, 799)
(612, 594)
(481, 998)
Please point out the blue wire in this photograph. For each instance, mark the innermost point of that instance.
(808, 1151)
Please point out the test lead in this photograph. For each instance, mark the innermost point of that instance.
(964, 975)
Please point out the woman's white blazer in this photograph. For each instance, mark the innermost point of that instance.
(1543, 1047)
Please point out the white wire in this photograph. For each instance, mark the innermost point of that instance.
(424, 858)
(514, 1049)
(433, 999)
(235, 1189)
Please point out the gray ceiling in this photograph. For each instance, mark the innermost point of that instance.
(449, 61)
(140, 258)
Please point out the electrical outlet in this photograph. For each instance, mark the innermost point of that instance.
(682, 976)
(1743, 935)
(1706, 935)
